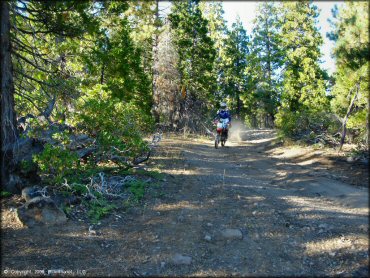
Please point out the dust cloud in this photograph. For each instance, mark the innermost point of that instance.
(237, 130)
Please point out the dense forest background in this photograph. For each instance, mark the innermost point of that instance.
(84, 82)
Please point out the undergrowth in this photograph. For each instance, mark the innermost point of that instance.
(98, 205)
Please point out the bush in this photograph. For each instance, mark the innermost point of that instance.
(299, 123)
(137, 188)
(99, 208)
(117, 126)
(56, 162)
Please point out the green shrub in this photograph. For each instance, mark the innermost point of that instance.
(137, 188)
(56, 162)
(298, 123)
(98, 208)
(27, 166)
(118, 126)
(5, 194)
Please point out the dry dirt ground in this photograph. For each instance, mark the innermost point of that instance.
(296, 212)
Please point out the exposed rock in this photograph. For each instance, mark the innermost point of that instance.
(207, 238)
(40, 210)
(324, 226)
(232, 234)
(84, 153)
(351, 159)
(179, 259)
(61, 200)
(31, 192)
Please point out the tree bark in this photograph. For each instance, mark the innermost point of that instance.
(8, 118)
(350, 108)
(155, 73)
(368, 120)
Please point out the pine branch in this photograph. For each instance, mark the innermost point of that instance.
(19, 93)
(33, 64)
(33, 79)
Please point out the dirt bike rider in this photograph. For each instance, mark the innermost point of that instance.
(223, 113)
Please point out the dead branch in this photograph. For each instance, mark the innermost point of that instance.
(349, 110)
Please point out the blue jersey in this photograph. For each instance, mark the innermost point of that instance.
(224, 114)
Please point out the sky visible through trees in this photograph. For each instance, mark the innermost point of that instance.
(246, 11)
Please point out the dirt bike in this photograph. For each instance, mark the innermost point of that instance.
(222, 128)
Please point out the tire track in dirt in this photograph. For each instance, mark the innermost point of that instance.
(292, 222)
(290, 225)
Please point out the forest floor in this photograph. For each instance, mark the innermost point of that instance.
(252, 208)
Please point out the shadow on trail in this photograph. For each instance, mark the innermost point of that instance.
(286, 229)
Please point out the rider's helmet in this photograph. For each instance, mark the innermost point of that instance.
(223, 105)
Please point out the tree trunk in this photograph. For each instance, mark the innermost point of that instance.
(368, 120)
(8, 119)
(155, 73)
(350, 107)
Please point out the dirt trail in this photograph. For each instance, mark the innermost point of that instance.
(293, 220)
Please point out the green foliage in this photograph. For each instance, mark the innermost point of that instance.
(78, 189)
(5, 194)
(351, 36)
(195, 49)
(56, 162)
(91, 65)
(67, 209)
(41, 36)
(217, 29)
(301, 122)
(235, 75)
(27, 165)
(117, 126)
(62, 137)
(303, 95)
(98, 208)
(137, 188)
(264, 68)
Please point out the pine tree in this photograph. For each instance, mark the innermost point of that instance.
(236, 54)
(33, 65)
(196, 57)
(351, 36)
(265, 61)
(115, 59)
(146, 22)
(303, 96)
(217, 28)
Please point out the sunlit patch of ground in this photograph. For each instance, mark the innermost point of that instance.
(332, 245)
(179, 205)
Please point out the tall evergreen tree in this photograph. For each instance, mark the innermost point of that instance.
(303, 93)
(33, 65)
(236, 53)
(351, 51)
(217, 28)
(146, 22)
(264, 67)
(196, 58)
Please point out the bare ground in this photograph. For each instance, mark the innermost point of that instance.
(301, 212)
